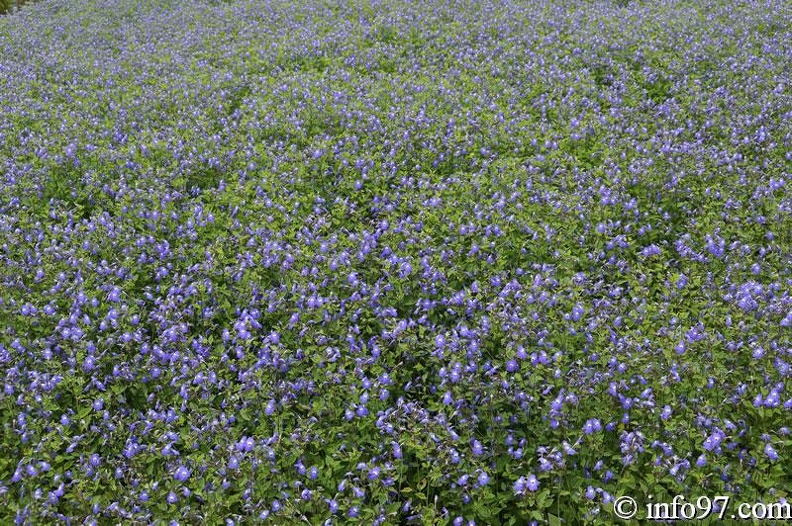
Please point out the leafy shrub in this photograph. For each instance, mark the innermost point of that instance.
(393, 263)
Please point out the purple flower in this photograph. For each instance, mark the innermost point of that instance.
(714, 440)
(246, 444)
(771, 452)
(89, 364)
(182, 474)
(592, 425)
(651, 250)
(520, 485)
(532, 482)
(115, 295)
(577, 312)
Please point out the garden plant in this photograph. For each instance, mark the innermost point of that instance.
(393, 262)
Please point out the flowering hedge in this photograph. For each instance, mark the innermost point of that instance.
(392, 262)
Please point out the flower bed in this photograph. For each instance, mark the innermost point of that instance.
(392, 263)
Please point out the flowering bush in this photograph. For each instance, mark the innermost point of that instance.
(393, 262)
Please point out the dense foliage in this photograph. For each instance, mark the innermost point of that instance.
(9, 5)
(392, 262)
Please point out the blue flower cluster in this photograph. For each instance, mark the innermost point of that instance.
(474, 262)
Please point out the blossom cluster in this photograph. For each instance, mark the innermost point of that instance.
(392, 262)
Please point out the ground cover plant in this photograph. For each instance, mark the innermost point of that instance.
(392, 262)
